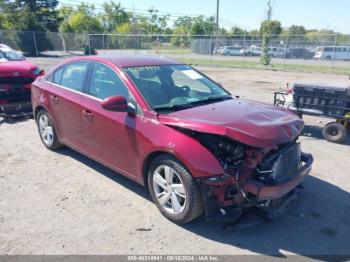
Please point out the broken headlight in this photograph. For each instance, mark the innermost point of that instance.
(230, 153)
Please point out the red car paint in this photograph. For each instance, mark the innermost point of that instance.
(246, 121)
(15, 84)
(17, 68)
(126, 143)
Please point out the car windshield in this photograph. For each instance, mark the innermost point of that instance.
(169, 88)
(10, 55)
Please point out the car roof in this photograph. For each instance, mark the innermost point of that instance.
(131, 60)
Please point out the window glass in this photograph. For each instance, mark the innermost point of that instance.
(73, 75)
(57, 76)
(105, 83)
(174, 85)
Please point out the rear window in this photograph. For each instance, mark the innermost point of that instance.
(73, 75)
(57, 76)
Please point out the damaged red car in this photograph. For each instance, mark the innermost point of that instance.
(16, 76)
(197, 148)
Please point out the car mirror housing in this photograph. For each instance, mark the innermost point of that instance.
(131, 109)
(115, 103)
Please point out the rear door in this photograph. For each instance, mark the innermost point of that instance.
(109, 137)
(65, 101)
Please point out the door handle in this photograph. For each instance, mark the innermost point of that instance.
(88, 114)
(55, 99)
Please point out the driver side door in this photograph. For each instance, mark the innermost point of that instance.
(109, 136)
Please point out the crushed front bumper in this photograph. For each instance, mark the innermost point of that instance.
(267, 192)
(267, 201)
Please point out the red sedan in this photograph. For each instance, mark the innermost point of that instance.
(169, 127)
(16, 76)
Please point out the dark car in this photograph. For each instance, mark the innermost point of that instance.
(169, 127)
(299, 53)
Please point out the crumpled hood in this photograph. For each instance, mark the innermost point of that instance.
(19, 68)
(251, 123)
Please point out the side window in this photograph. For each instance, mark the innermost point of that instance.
(57, 76)
(73, 75)
(105, 83)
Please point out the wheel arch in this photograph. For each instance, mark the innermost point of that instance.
(38, 109)
(148, 160)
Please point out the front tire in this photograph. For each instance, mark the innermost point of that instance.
(173, 190)
(47, 131)
(334, 132)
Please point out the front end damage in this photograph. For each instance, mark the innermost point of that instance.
(15, 97)
(256, 181)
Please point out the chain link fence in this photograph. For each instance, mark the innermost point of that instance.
(316, 53)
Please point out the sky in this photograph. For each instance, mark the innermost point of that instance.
(313, 14)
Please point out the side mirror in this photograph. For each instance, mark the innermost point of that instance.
(42, 72)
(115, 103)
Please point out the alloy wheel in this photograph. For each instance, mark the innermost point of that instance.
(169, 189)
(46, 130)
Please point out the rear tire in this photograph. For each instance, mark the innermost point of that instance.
(47, 131)
(334, 132)
(165, 192)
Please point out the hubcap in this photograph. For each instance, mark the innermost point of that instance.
(169, 189)
(46, 130)
(333, 131)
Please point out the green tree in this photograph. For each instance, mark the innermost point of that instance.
(203, 26)
(81, 20)
(269, 28)
(156, 23)
(237, 31)
(30, 15)
(113, 16)
(296, 30)
(185, 23)
(179, 38)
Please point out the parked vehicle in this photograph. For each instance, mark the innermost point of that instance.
(320, 100)
(16, 76)
(8, 54)
(276, 52)
(230, 50)
(252, 51)
(333, 53)
(299, 53)
(169, 127)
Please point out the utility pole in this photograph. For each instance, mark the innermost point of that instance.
(217, 15)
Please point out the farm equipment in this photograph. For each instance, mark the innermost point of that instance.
(319, 100)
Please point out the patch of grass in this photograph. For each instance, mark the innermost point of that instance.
(257, 65)
(174, 51)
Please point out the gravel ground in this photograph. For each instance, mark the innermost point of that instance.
(64, 203)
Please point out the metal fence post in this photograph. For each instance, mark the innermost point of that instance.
(89, 44)
(244, 48)
(334, 51)
(35, 46)
(285, 53)
(139, 42)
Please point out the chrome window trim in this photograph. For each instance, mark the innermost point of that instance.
(74, 91)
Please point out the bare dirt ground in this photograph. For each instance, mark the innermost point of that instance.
(64, 203)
